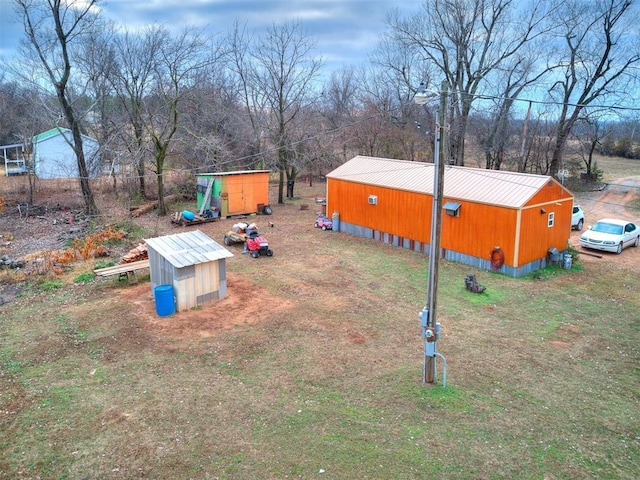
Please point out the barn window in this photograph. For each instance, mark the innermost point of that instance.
(550, 220)
(373, 200)
(452, 208)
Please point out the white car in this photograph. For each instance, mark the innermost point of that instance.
(611, 235)
(577, 218)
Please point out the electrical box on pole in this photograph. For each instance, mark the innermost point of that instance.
(430, 327)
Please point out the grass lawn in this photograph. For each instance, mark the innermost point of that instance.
(319, 375)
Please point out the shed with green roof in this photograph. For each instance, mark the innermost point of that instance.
(54, 157)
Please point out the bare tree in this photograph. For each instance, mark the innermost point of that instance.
(97, 64)
(133, 80)
(22, 112)
(239, 44)
(597, 51)
(467, 40)
(214, 132)
(390, 85)
(589, 140)
(337, 111)
(284, 71)
(53, 28)
(180, 60)
(156, 73)
(517, 74)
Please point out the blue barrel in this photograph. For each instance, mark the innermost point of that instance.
(188, 215)
(165, 304)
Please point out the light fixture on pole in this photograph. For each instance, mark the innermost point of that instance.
(429, 324)
(421, 97)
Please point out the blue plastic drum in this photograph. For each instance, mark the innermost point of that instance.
(188, 215)
(165, 303)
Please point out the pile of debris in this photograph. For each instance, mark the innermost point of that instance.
(136, 254)
(186, 217)
(12, 263)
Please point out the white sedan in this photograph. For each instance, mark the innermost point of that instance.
(611, 235)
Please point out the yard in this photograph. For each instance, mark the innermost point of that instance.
(311, 368)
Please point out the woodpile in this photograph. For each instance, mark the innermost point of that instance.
(136, 254)
(149, 206)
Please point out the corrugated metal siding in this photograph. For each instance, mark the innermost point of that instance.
(201, 284)
(494, 187)
(407, 215)
(483, 262)
(551, 191)
(536, 237)
(192, 263)
(479, 228)
(188, 248)
(402, 216)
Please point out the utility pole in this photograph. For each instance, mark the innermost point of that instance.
(430, 327)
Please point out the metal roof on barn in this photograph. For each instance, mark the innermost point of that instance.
(495, 187)
(188, 248)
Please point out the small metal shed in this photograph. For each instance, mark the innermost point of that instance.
(193, 264)
(53, 155)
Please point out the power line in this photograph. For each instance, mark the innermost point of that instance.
(350, 125)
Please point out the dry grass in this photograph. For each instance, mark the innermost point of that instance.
(615, 167)
(318, 370)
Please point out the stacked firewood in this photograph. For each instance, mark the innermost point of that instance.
(136, 254)
(149, 206)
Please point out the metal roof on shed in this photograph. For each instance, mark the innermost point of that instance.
(188, 248)
(41, 137)
(236, 172)
(496, 187)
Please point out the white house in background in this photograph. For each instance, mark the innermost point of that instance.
(53, 155)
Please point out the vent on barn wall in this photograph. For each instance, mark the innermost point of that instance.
(452, 209)
(373, 199)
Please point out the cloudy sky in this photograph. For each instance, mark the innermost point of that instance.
(345, 30)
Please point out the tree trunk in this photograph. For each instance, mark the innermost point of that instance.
(83, 174)
(161, 151)
(280, 186)
(558, 149)
(140, 161)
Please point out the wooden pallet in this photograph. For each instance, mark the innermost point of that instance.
(127, 270)
(178, 219)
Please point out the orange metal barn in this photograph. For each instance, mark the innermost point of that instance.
(525, 215)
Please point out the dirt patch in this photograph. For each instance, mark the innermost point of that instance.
(246, 304)
(45, 227)
(52, 228)
(9, 292)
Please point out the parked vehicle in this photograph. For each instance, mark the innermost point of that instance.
(323, 222)
(257, 245)
(577, 218)
(254, 243)
(611, 235)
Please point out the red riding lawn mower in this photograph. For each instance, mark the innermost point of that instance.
(256, 245)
